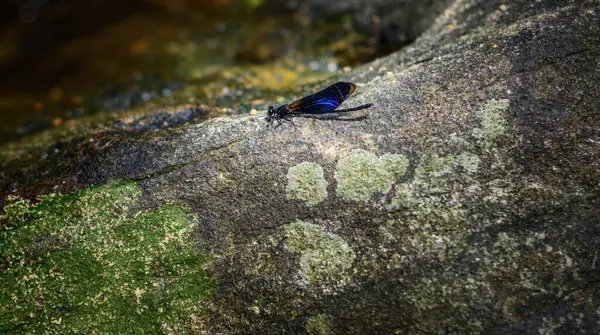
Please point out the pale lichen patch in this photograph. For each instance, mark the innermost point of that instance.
(306, 182)
(433, 172)
(361, 174)
(469, 162)
(494, 124)
(324, 256)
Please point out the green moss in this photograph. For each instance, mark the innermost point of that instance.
(83, 261)
(324, 257)
(494, 125)
(361, 174)
(319, 325)
(306, 181)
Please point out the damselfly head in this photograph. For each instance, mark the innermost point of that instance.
(270, 114)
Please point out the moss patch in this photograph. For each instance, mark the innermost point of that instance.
(306, 182)
(324, 257)
(361, 174)
(83, 261)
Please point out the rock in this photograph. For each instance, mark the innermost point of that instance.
(467, 202)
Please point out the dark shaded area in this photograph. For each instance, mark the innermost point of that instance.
(48, 25)
(390, 24)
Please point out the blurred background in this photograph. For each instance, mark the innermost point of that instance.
(63, 60)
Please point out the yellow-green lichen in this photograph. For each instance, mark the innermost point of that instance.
(361, 174)
(469, 162)
(319, 325)
(404, 196)
(433, 294)
(494, 125)
(427, 201)
(324, 256)
(396, 165)
(433, 172)
(498, 191)
(306, 182)
(85, 262)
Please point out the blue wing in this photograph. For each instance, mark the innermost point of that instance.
(324, 101)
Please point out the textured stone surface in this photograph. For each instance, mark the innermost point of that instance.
(472, 207)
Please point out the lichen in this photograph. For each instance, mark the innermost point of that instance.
(86, 261)
(396, 165)
(426, 201)
(319, 325)
(494, 125)
(324, 256)
(404, 196)
(549, 325)
(469, 162)
(306, 182)
(433, 172)
(361, 174)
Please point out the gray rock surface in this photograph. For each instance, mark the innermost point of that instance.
(467, 202)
